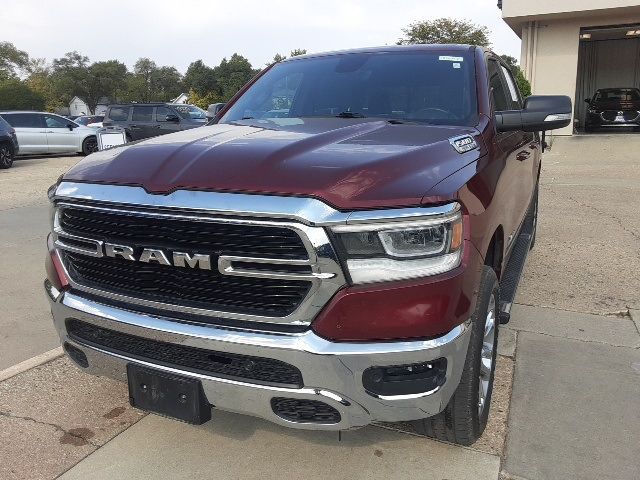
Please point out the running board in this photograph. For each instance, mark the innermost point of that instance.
(515, 266)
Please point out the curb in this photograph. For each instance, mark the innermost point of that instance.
(30, 363)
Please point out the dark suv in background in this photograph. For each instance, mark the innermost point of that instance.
(8, 144)
(613, 107)
(144, 120)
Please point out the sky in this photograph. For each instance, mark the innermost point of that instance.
(178, 32)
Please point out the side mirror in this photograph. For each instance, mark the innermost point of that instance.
(214, 109)
(172, 118)
(71, 126)
(540, 113)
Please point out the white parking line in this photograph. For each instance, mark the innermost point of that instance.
(30, 363)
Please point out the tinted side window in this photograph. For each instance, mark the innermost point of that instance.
(24, 120)
(500, 99)
(119, 114)
(56, 122)
(514, 93)
(161, 114)
(142, 114)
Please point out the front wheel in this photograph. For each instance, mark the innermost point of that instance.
(465, 417)
(89, 145)
(6, 156)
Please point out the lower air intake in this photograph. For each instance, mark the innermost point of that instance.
(304, 411)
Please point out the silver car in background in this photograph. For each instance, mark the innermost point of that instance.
(46, 133)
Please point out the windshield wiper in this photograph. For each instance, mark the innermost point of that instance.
(350, 115)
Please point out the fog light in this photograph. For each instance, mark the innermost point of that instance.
(409, 379)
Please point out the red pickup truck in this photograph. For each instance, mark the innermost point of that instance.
(337, 246)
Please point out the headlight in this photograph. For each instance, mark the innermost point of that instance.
(379, 252)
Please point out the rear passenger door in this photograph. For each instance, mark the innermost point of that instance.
(30, 130)
(142, 123)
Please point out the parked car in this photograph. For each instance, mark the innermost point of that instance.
(613, 107)
(346, 263)
(145, 120)
(91, 121)
(9, 147)
(45, 133)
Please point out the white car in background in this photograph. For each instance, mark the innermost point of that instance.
(91, 121)
(47, 133)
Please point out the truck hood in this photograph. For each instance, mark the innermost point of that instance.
(348, 163)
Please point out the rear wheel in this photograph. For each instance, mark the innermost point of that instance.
(465, 417)
(6, 156)
(89, 145)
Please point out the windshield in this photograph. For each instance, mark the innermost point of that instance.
(418, 86)
(189, 111)
(619, 94)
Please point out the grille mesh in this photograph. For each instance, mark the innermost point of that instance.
(202, 289)
(220, 364)
(205, 289)
(184, 235)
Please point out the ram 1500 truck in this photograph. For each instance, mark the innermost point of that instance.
(337, 246)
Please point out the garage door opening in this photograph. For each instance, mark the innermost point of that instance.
(609, 77)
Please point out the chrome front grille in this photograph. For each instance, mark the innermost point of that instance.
(259, 271)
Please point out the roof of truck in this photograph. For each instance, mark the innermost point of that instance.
(390, 48)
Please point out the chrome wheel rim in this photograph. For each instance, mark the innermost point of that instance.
(486, 355)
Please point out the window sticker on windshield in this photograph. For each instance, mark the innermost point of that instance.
(447, 58)
(456, 65)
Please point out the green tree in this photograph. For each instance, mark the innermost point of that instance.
(203, 101)
(166, 83)
(70, 77)
(16, 95)
(200, 79)
(105, 79)
(12, 60)
(232, 75)
(445, 30)
(298, 51)
(523, 83)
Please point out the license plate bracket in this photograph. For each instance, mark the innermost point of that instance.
(168, 394)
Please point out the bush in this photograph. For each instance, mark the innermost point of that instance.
(16, 95)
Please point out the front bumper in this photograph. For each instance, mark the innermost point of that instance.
(332, 372)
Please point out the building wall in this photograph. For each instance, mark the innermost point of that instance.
(537, 8)
(550, 52)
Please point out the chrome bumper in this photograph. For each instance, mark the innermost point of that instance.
(332, 372)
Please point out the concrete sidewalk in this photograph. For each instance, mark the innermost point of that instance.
(575, 408)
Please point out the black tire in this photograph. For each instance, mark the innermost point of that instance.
(535, 217)
(89, 145)
(6, 155)
(463, 420)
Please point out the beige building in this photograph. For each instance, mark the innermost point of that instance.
(574, 47)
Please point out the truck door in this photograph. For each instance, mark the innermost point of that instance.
(515, 153)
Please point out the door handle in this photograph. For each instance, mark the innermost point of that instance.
(523, 155)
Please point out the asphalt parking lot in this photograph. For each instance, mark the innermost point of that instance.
(567, 384)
